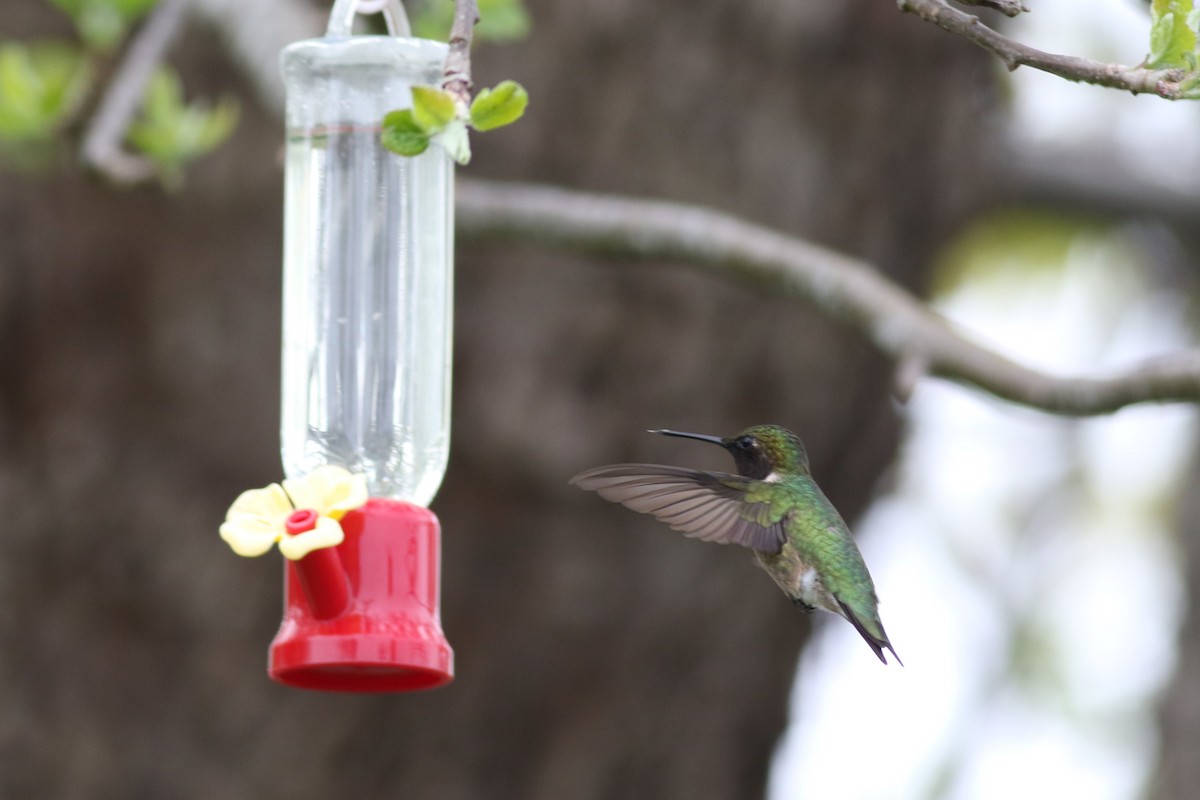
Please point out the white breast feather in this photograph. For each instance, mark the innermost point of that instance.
(808, 583)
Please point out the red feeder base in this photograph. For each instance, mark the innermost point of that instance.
(388, 637)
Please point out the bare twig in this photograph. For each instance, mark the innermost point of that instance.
(1162, 82)
(457, 77)
(852, 291)
(1009, 8)
(1097, 179)
(899, 324)
(102, 143)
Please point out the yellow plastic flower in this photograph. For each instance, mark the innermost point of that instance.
(258, 518)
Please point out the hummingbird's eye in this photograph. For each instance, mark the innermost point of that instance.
(746, 442)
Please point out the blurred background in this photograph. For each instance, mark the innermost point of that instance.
(1037, 574)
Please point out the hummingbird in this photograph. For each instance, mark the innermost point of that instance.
(772, 506)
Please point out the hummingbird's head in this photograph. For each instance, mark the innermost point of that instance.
(760, 451)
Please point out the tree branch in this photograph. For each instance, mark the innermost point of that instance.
(1009, 8)
(1162, 82)
(102, 147)
(852, 291)
(457, 77)
(900, 325)
(1096, 178)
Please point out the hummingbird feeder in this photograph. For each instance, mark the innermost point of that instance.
(368, 264)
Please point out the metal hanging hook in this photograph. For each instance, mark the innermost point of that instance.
(341, 18)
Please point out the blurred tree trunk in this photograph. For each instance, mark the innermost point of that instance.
(599, 656)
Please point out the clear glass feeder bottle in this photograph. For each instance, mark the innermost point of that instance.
(368, 266)
(366, 361)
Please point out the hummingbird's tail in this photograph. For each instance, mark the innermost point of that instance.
(877, 643)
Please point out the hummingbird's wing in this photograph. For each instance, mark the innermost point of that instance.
(712, 506)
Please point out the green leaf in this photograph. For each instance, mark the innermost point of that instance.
(502, 20)
(1189, 87)
(219, 124)
(133, 10)
(164, 96)
(432, 20)
(41, 86)
(495, 108)
(499, 20)
(432, 108)
(172, 133)
(102, 24)
(73, 8)
(401, 134)
(455, 141)
(1172, 39)
(20, 90)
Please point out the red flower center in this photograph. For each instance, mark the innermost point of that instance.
(301, 521)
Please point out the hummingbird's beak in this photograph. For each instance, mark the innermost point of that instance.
(701, 436)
